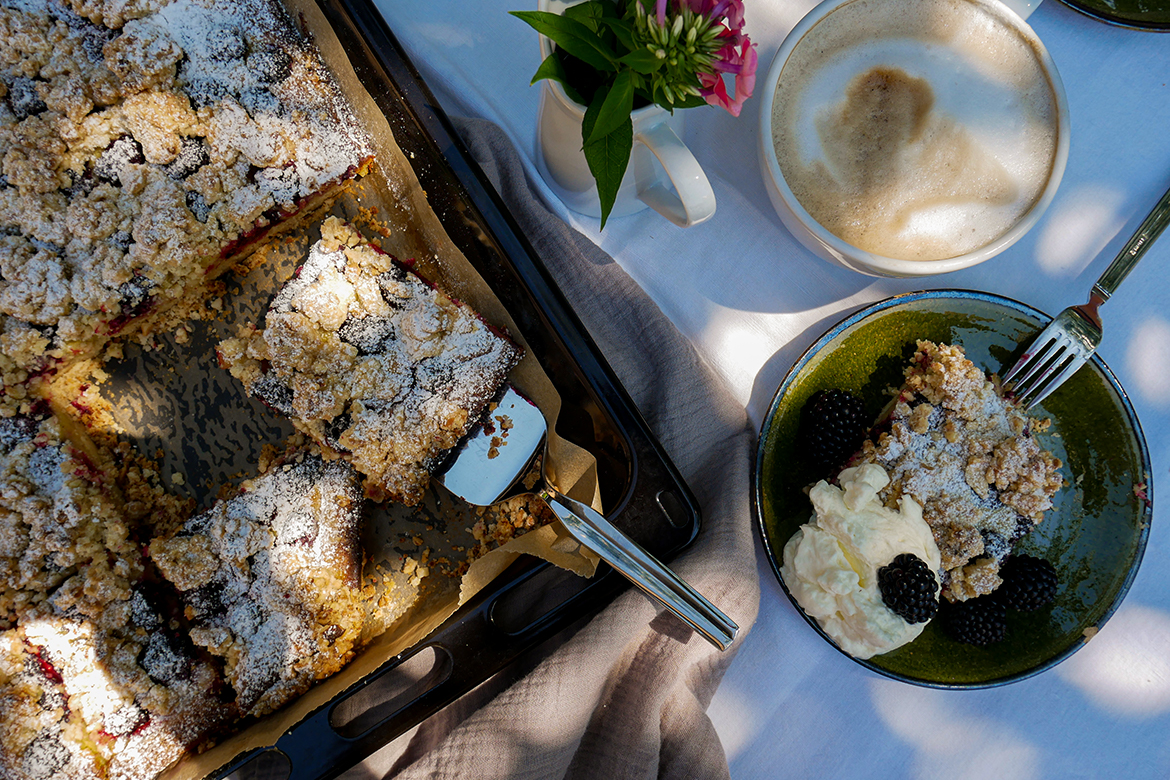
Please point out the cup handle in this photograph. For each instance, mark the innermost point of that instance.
(691, 200)
(1023, 8)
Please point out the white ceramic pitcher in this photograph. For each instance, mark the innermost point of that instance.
(663, 174)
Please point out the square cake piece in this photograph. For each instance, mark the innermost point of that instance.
(40, 738)
(62, 531)
(968, 456)
(271, 579)
(137, 688)
(144, 148)
(372, 362)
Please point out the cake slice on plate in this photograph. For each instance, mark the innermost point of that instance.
(967, 454)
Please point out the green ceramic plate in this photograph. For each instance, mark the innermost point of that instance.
(1140, 14)
(1096, 533)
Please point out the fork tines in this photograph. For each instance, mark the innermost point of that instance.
(1051, 358)
(1038, 372)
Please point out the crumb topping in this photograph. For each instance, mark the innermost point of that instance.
(372, 362)
(139, 143)
(271, 579)
(968, 455)
(61, 528)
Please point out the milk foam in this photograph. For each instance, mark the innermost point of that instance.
(972, 147)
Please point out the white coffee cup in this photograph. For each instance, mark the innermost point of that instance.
(884, 50)
(663, 173)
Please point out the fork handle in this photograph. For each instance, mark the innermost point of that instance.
(621, 552)
(1151, 227)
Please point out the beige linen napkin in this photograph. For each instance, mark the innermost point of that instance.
(625, 694)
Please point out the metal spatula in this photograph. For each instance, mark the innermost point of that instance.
(486, 465)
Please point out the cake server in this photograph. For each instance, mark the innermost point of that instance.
(485, 467)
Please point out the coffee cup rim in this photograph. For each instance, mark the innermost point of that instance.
(832, 247)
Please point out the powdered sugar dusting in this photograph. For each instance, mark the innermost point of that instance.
(968, 456)
(271, 578)
(373, 362)
(149, 149)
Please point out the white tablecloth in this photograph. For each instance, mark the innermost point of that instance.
(751, 300)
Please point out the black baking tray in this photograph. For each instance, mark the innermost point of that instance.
(642, 491)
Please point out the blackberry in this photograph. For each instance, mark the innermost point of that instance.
(908, 588)
(121, 152)
(226, 45)
(193, 155)
(260, 102)
(980, 621)
(1028, 583)
(335, 427)
(832, 426)
(198, 205)
(24, 99)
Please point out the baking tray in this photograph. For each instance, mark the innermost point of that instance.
(641, 490)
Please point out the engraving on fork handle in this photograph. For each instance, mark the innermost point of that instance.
(1074, 334)
(1151, 227)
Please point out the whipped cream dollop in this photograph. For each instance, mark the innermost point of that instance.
(831, 563)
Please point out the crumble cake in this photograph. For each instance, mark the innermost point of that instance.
(144, 148)
(39, 739)
(134, 684)
(62, 531)
(372, 362)
(966, 453)
(271, 579)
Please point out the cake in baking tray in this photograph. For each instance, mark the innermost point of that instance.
(140, 696)
(372, 362)
(968, 455)
(38, 737)
(145, 147)
(62, 531)
(271, 579)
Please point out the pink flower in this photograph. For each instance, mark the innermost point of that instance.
(729, 54)
(742, 63)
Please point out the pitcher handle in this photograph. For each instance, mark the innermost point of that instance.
(690, 200)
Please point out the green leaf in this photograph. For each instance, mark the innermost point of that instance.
(608, 156)
(572, 36)
(588, 14)
(642, 60)
(615, 108)
(622, 30)
(553, 68)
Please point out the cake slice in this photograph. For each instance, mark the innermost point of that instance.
(967, 454)
(62, 530)
(372, 362)
(146, 148)
(271, 579)
(143, 693)
(40, 738)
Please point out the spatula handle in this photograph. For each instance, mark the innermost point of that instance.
(641, 568)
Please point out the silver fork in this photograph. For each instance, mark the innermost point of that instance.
(1072, 337)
